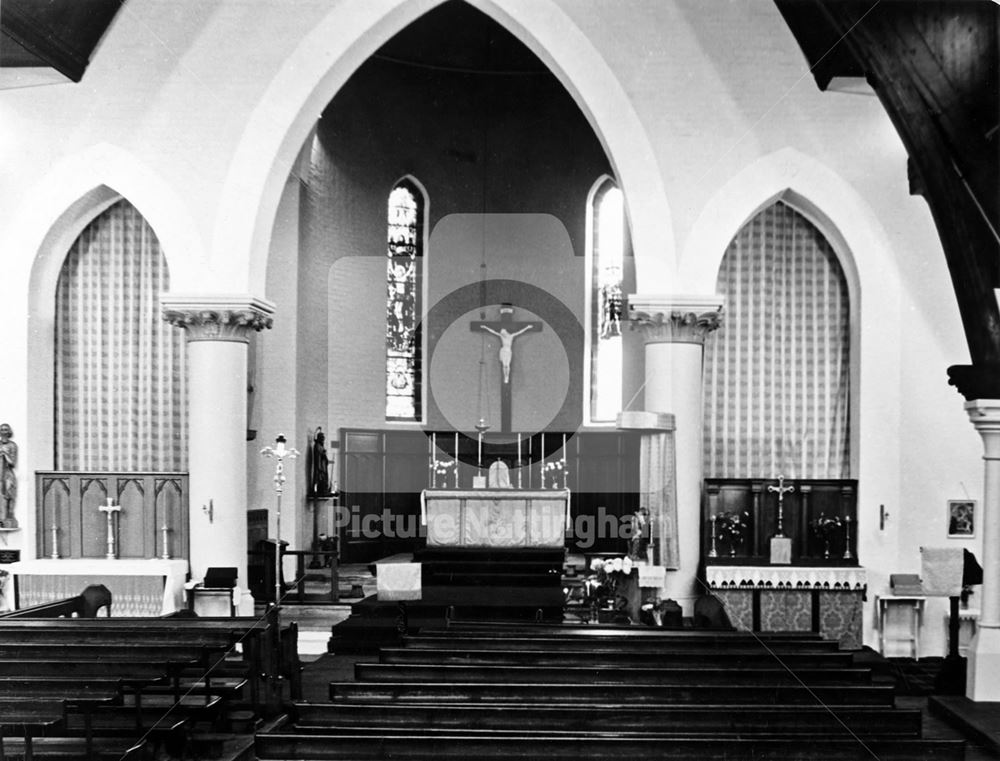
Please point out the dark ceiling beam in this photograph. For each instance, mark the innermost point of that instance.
(933, 66)
(62, 34)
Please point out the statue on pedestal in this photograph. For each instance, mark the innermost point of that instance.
(319, 479)
(8, 478)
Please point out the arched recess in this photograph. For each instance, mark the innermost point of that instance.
(350, 33)
(862, 246)
(55, 212)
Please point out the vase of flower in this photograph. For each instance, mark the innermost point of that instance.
(826, 528)
(730, 528)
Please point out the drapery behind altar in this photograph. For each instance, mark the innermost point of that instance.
(120, 368)
(777, 372)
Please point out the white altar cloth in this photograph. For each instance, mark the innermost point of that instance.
(139, 587)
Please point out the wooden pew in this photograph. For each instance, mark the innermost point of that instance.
(650, 745)
(582, 717)
(609, 644)
(624, 658)
(120, 679)
(634, 675)
(583, 692)
(529, 692)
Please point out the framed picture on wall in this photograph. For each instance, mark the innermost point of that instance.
(961, 518)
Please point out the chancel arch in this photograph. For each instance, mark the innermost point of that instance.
(333, 51)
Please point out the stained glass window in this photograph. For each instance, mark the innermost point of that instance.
(402, 319)
(608, 236)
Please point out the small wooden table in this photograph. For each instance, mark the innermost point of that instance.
(914, 605)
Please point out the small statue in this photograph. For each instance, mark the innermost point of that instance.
(8, 478)
(638, 538)
(319, 482)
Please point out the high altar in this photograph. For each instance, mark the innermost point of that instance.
(495, 518)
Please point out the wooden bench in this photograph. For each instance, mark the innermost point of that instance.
(648, 745)
(536, 656)
(529, 692)
(582, 717)
(113, 681)
(583, 692)
(633, 675)
(650, 645)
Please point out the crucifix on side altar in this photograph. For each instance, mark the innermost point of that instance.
(506, 329)
(781, 545)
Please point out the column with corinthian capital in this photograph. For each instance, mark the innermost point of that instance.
(218, 330)
(983, 655)
(674, 330)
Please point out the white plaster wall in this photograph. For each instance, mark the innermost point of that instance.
(205, 105)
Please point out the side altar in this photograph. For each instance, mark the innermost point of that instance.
(781, 555)
(495, 518)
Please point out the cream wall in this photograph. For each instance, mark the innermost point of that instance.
(196, 112)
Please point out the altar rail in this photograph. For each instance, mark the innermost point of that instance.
(150, 502)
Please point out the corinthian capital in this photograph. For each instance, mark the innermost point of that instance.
(217, 318)
(675, 319)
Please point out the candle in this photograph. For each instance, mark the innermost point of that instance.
(434, 475)
(456, 459)
(479, 451)
(565, 476)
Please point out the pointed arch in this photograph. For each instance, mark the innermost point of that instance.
(350, 33)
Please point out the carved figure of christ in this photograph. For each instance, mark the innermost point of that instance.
(506, 329)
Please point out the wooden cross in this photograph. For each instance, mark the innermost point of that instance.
(781, 489)
(506, 329)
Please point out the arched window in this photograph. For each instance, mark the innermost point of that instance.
(403, 334)
(608, 243)
(777, 375)
(120, 375)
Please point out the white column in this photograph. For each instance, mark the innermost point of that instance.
(218, 329)
(983, 674)
(674, 329)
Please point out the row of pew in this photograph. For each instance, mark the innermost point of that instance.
(585, 692)
(139, 688)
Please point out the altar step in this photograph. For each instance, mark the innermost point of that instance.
(490, 568)
(374, 623)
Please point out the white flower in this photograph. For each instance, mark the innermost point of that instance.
(627, 565)
(596, 564)
(617, 565)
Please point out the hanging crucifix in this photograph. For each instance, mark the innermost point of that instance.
(506, 329)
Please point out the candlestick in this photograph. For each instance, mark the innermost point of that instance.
(434, 470)
(518, 463)
(847, 538)
(279, 452)
(165, 555)
(712, 553)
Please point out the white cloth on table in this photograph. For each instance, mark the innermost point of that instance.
(398, 581)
